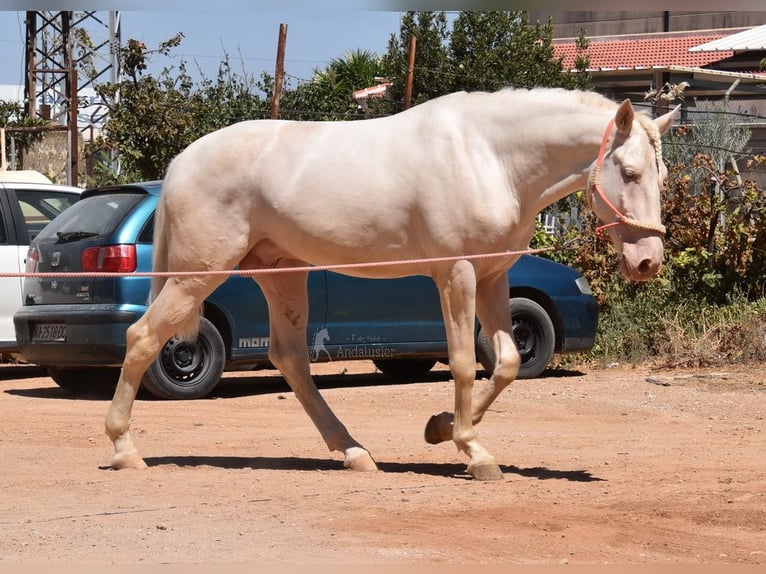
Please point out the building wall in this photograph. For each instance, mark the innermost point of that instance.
(597, 23)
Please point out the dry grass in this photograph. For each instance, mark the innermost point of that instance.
(652, 326)
(718, 336)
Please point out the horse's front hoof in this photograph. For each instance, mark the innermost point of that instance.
(439, 428)
(132, 460)
(485, 472)
(360, 460)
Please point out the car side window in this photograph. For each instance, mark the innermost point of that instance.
(147, 233)
(39, 208)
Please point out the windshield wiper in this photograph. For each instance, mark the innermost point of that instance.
(74, 235)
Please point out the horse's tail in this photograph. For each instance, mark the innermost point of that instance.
(159, 252)
(189, 328)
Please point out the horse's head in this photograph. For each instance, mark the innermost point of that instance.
(625, 186)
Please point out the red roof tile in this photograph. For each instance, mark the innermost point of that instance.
(642, 51)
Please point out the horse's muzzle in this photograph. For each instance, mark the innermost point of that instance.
(641, 261)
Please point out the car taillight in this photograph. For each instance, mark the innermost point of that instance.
(109, 259)
(33, 257)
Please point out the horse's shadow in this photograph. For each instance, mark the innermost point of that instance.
(233, 386)
(314, 464)
(21, 371)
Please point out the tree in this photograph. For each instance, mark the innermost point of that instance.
(154, 119)
(492, 50)
(330, 93)
(483, 51)
(431, 69)
(228, 99)
(581, 78)
(149, 123)
(357, 70)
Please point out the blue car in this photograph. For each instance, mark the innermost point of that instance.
(75, 327)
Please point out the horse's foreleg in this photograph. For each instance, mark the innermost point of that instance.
(494, 316)
(145, 339)
(287, 299)
(457, 290)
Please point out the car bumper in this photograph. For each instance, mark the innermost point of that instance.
(579, 322)
(95, 334)
(577, 344)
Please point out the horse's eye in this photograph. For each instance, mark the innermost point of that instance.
(630, 174)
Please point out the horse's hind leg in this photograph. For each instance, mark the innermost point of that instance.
(176, 310)
(286, 294)
(495, 318)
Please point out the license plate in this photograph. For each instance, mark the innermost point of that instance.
(49, 332)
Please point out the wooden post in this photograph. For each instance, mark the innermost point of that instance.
(279, 72)
(410, 73)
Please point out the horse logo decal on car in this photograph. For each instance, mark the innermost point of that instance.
(318, 347)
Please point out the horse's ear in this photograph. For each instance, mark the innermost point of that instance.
(623, 120)
(664, 122)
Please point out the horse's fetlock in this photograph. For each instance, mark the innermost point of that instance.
(506, 371)
(463, 437)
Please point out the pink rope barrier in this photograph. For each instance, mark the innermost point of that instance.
(269, 271)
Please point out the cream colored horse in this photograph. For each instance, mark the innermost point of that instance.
(460, 175)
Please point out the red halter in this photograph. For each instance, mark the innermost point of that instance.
(594, 187)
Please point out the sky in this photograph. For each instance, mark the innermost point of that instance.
(249, 37)
(248, 30)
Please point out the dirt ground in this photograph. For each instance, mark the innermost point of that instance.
(601, 466)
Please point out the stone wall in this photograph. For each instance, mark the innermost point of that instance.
(50, 156)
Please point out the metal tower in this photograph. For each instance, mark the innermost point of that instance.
(66, 54)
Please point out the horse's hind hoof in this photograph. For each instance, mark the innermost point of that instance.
(132, 460)
(485, 472)
(439, 428)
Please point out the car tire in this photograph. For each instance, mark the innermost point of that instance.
(404, 368)
(534, 335)
(188, 369)
(78, 380)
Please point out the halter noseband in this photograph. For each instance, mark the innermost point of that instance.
(594, 187)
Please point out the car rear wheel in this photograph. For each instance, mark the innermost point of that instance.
(404, 368)
(79, 380)
(188, 369)
(535, 339)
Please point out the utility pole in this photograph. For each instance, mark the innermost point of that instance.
(279, 72)
(410, 74)
(58, 46)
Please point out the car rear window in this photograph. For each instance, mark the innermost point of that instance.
(97, 214)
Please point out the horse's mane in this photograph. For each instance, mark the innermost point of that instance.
(598, 101)
(560, 96)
